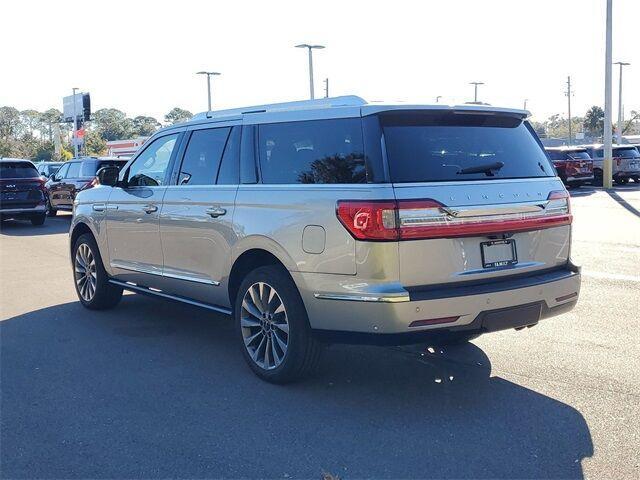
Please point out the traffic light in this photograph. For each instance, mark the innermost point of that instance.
(86, 107)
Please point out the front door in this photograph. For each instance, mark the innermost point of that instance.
(133, 213)
(196, 226)
(54, 186)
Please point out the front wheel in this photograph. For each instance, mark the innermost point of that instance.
(52, 212)
(622, 181)
(90, 278)
(273, 327)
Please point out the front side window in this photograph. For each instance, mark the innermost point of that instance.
(62, 172)
(318, 151)
(202, 156)
(74, 170)
(150, 168)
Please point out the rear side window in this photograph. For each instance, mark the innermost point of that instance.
(202, 156)
(318, 151)
(74, 170)
(17, 170)
(580, 155)
(433, 147)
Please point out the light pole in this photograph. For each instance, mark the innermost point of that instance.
(208, 74)
(525, 103)
(75, 124)
(475, 90)
(310, 48)
(607, 167)
(619, 129)
(438, 98)
(568, 93)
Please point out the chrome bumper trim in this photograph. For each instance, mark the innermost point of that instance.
(363, 298)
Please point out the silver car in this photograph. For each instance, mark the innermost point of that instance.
(335, 220)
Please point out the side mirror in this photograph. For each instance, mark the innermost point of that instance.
(108, 176)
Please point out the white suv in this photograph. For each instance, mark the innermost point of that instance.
(335, 220)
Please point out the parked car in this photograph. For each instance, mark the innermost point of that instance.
(573, 164)
(22, 192)
(46, 169)
(73, 176)
(335, 220)
(626, 162)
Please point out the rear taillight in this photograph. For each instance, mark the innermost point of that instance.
(426, 219)
(369, 220)
(94, 182)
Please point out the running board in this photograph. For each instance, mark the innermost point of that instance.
(159, 293)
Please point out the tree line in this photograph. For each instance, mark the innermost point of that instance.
(592, 125)
(32, 134)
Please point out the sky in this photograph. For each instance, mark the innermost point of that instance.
(141, 56)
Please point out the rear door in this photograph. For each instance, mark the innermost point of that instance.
(133, 212)
(196, 228)
(68, 186)
(55, 186)
(477, 197)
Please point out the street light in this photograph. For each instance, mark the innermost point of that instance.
(607, 167)
(75, 124)
(475, 90)
(438, 98)
(619, 129)
(309, 48)
(208, 74)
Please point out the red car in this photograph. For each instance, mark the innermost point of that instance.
(574, 165)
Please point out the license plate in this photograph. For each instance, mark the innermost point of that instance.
(498, 253)
(634, 165)
(584, 170)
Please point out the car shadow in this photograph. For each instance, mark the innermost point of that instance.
(23, 228)
(154, 389)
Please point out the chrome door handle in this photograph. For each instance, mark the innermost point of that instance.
(216, 212)
(150, 208)
(99, 207)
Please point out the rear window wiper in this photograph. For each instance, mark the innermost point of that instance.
(487, 169)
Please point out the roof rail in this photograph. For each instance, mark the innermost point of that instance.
(344, 101)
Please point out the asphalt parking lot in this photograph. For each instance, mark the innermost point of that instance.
(154, 389)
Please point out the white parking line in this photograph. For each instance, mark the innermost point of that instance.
(611, 276)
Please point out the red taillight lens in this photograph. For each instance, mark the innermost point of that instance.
(94, 182)
(428, 219)
(369, 220)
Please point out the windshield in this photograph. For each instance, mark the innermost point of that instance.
(17, 170)
(428, 147)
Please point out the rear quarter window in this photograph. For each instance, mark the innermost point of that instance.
(432, 147)
(312, 152)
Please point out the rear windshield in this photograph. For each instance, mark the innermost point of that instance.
(432, 147)
(626, 152)
(578, 156)
(17, 170)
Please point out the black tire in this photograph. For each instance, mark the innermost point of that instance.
(636, 179)
(106, 295)
(38, 219)
(303, 351)
(622, 181)
(52, 212)
(454, 338)
(597, 177)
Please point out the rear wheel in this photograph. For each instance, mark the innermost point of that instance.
(90, 278)
(622, 181)
(52, 212)
(273, 327)
(38, 219)
(597, 177)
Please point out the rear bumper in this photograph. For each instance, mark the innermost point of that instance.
(385, 317)
(576, 179)
(22, 211)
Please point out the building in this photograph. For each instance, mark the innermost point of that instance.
(125, 148)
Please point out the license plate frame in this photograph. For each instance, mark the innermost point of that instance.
(488, 258)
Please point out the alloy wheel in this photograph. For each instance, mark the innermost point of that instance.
(85, 272)
(264, 325)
